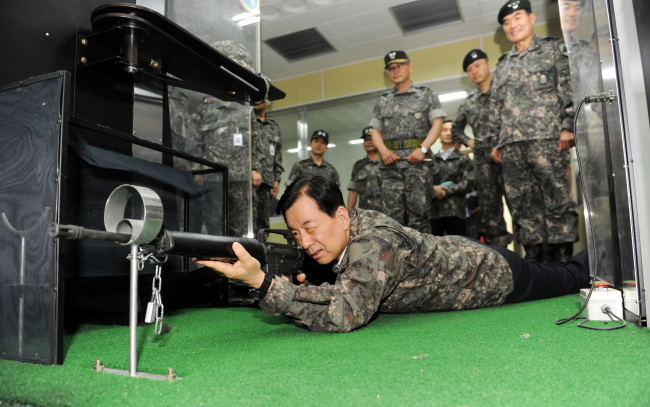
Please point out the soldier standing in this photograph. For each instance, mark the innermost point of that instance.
(365, 183)
(221, 134)
(406, 122)
(533, 97)
(267, 163)
(476, 112)
(453, 178)
(315, 164)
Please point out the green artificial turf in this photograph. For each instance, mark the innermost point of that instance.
(511, 355)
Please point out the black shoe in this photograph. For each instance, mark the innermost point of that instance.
(563, 252)
(534, 252)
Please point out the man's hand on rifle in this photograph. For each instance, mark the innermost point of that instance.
(247, 269)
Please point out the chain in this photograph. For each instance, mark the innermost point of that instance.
(156, 287)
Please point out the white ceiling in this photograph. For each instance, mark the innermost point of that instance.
(362, 30)
(365, 29)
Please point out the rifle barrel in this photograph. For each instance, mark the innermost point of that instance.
(75, 232)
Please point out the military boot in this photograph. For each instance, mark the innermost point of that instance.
(561, 252)
(534, 252)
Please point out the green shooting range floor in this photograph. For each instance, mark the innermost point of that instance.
(512, 355)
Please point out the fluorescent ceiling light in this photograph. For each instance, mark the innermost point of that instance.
(357, 141)
(447, 97)
(295, 150)
(247, 18)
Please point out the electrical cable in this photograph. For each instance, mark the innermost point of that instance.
(600, 97)
(606, 310)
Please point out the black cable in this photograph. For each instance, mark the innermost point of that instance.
(608, 311)
(586, 202)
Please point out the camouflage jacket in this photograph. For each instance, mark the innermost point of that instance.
(476, 112)
(365, 180)
(308, 168)
(459, 169)
(220, 133)
(267, 149)
(532, 92)
(390, 268)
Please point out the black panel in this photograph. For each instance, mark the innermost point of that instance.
(31, 133)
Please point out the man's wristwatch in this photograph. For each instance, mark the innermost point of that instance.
(260, 293)
(424, 149)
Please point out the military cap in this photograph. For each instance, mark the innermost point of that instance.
(513, 6)
(473, 55)
(323, 134)
(366, 132)
(395, 57)
(235, 51)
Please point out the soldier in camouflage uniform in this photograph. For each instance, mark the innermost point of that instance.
(266, 161)
(406, 122)
(532, 94)
(382, 266)
(475, 112)
(365, 183)
(221, 134)
(453, 178)
(315, 164)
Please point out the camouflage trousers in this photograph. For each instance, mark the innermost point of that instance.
(490, 190)
(538, 192)
(239, 204)
(262, 204)
(409, 188)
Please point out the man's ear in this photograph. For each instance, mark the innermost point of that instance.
(533, 17)
(343, 216)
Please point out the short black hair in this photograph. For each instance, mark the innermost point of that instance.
(448, 121)
(323, 191)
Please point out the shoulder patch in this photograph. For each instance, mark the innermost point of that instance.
(503, 56)
(563, 49)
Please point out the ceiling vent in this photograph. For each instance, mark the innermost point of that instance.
(300, 45)
(426, 14)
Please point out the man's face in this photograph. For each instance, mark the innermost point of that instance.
(569, 15)
(445, 133)
(400, 72)
(367, 144)
(518, 26)
(323, 237)
(318, 146)
(260, 107)
(479, 70)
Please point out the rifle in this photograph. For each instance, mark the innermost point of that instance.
(152, 238)
(278, 259)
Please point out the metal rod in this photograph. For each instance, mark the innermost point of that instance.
(133, 313)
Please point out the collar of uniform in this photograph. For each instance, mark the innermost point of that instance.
(534, 44)
(446, 156)
(410, 89)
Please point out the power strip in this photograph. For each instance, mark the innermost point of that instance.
(602, 298)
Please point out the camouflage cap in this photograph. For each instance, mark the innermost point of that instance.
(473, 55)
(366, 132)
(512, 6)
(235, 51)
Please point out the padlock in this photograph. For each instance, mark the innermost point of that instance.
(152, 313)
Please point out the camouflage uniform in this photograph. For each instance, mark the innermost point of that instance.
(406, 116)
(533, 95)
(365, 180)
(394, 269)
(476, 112)
(459, 169)
(267, 158)
(179, 118)
(221, 134)
(308, 168)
